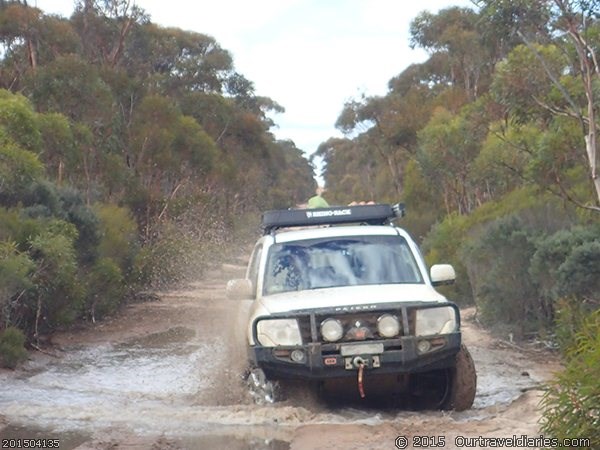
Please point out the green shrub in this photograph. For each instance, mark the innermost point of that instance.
(118, 235)
(579, 274)
(499, 268)
(571, 405)
(12, 347)
(570, 314)
(59, 291)
(105, 288)
(566, 263)
(442, 245)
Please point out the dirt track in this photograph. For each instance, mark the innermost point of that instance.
(196, 400)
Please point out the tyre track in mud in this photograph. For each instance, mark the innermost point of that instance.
(161, 375)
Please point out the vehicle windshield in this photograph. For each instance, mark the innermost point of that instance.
(333, 262)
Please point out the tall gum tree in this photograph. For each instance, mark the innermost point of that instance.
(575, 19)
(575, 28)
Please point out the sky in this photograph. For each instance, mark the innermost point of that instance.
(310, 56)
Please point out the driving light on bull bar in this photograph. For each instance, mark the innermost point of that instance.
(423, 346)
(435, 321)
(274, 332)
(332, 330)
(388, 326)
(297, 355)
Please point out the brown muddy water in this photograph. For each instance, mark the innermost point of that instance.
(177, 382)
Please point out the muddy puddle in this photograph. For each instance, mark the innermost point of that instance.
(177, 384)
(163, 384)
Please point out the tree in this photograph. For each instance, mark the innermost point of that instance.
(499, 21)
(58, 294)
(19, 143)
(388, 126)
(58, 145)
(352, 173)
(15, 270)
(448, 148)
(579, 20)
(104, 27)
(571, 69)
(18, 121)
(20, 27)
(115, 110)
(452, 36)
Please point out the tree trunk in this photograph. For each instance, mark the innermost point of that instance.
(117, 51)
(589, 71)
(396, 173)
(32, 54)
(61, 168)
(590, 147)
(38, 314)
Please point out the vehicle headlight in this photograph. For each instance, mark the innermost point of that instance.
(388, 325)
(332, 330)
(435, 321)
(274, 332)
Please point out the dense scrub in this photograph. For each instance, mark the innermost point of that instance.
(128, 154)
(571, 402)
(491, 143)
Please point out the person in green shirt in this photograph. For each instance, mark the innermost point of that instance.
(317, 201)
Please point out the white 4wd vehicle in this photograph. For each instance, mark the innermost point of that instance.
(340, 296)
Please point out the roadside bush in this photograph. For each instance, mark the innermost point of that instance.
(118, 235)
(567, 263)
(499, 267)
(12, 347)
(572, 402)
(45, 199)
(59, 292)
(75, 211)
(566, 269)
(15, 271)
(18, 169)
(449, 240)
(442, 245)
(579, 274)
(105, 289)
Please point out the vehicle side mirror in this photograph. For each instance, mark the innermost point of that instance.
(239, 289)
(442, 274)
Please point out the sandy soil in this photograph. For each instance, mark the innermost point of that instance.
(509, 377)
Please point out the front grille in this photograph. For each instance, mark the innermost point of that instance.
(305, 329)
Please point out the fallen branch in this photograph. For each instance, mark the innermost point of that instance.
(45, 352)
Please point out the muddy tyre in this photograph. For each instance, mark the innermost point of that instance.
(462, 382)
(261, 390)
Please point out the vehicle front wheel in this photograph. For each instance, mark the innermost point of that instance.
(262, 390)
(462, 382)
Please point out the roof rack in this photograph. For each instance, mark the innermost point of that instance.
(378, 214)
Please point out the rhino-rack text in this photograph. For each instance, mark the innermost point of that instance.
(329, 213)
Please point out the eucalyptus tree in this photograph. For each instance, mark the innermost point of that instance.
(104, 27)
(554, 75)
(388, 127)
(453, 39)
